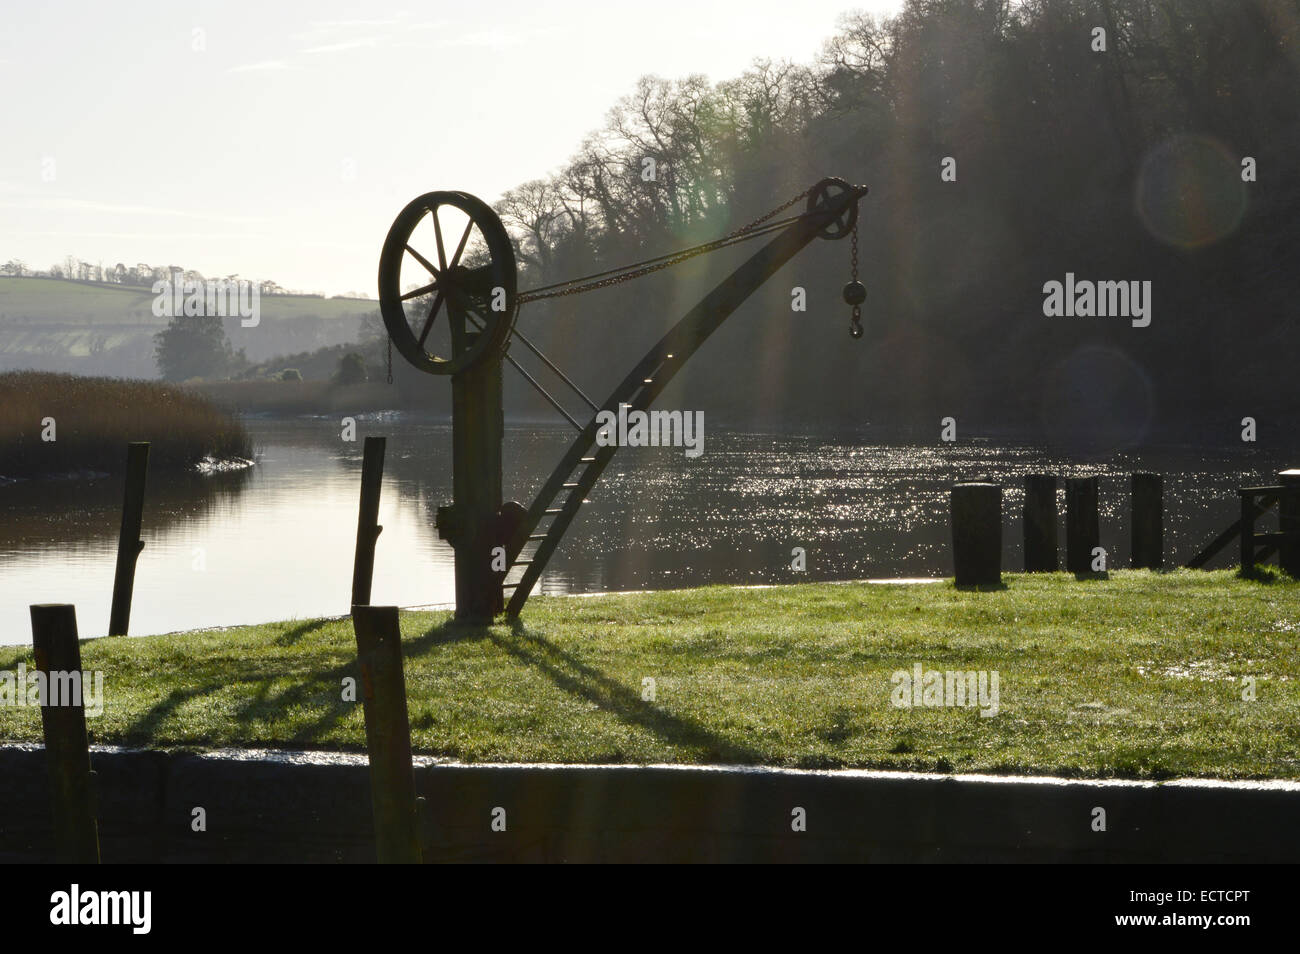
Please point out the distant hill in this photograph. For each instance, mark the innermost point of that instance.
(52, 324)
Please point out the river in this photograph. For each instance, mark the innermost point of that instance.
(275, 541)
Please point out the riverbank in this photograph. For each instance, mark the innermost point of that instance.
(1138, 676)
(61, 424)
(292, 398)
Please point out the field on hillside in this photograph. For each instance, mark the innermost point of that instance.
(58, 300)
(100, 329)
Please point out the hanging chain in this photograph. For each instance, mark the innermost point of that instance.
(578, 285)
(855, 323)
(390, 360)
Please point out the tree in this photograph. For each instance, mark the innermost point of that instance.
(533, 209)
(193, 347)
(352, 369)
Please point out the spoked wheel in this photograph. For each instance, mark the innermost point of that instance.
(820, 197)
(434, 295)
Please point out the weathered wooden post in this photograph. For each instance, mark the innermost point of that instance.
(388, 733)
(129, 543)
(1148, 521)
(1288, 521)
(1041, 549)
(977, 534)
(368, 528)
(58, 658)
(1082, 525)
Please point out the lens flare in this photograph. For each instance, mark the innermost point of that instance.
(1190, 192)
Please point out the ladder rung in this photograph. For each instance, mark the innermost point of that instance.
(554, 510)
(586, 460)
(521, 563)
(537, 536)
(1273, 538)
(567, 486)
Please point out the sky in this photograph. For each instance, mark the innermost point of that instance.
(278, 140)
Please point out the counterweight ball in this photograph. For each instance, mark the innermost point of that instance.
(855, 293)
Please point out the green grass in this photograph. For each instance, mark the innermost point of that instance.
(1139, 675)
(95, 418)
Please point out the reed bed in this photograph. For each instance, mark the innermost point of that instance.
(91, 420)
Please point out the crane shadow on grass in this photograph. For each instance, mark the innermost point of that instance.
(258, 701)
(574, 676)
(268, 709)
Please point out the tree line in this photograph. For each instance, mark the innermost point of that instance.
(1006, 144)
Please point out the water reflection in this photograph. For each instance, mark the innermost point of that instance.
(276, 541)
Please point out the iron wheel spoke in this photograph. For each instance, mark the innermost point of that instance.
(432, 286)
(437, 233)
(433, 313)
(455, 259)
(422, 260)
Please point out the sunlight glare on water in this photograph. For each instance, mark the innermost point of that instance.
(276, 542)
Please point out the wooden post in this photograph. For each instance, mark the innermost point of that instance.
(1288, 521)
(129, 543)
(977, 534)
(1082, 526)
(58, 657)
(1148, 521)
(1041, 548)
(368, 528)
(388, 734)
(477, 431)
(1247, 525)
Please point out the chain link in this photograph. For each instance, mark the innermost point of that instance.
(390, 360)
(578, 286)
(855, 324)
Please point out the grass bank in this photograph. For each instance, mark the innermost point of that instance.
(1139, 676)
(90, 421)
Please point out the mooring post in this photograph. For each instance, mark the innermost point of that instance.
(1041, 547)
(977, 534)
(388, 733)
(129, 543)
(1082, 525)
(1288, 521)
(63, 719)
(368, 528)
(1148, 522)
(477, 430)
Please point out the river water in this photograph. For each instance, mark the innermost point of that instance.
(275, 541)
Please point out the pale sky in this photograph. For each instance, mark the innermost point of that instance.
(281, 140)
